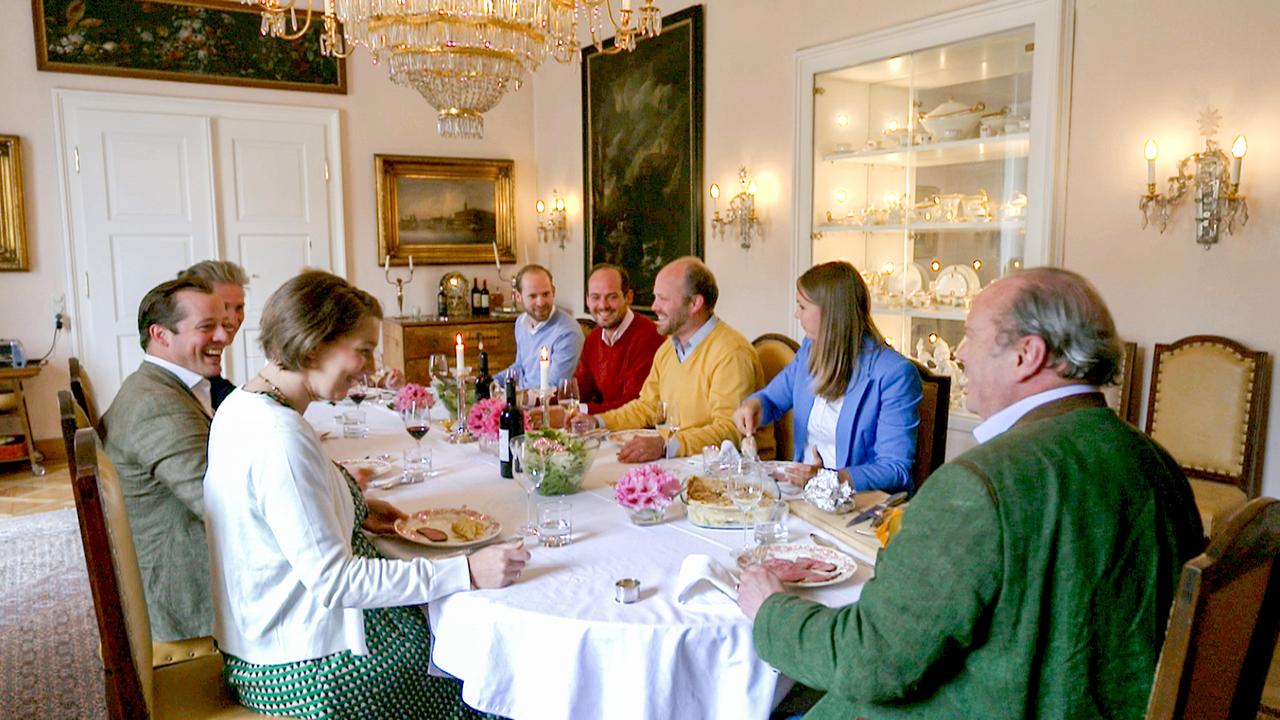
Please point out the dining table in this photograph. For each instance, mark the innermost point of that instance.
(556, 643)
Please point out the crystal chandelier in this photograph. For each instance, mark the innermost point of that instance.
(461, 55)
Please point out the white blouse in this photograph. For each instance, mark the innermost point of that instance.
(279, 516)
(822, 431)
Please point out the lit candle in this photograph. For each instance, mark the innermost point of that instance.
(457, 352)
(1238, 149)
(1150, 152)
(544, 368)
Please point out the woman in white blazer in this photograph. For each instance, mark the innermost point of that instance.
(313, 622)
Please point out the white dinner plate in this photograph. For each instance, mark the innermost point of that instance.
(846, 566)
(622, 437)
(957, 281)
(442, 519)
(905, 280)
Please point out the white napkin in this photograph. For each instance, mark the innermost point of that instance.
(702, 580)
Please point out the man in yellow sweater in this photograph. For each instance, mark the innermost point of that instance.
(702, 374)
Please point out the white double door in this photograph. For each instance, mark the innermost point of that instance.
(153, 185)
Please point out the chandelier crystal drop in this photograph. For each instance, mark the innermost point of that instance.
(463, 56)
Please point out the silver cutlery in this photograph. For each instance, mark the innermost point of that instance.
(875, 510)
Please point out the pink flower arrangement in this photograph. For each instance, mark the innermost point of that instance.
(647, 487)
(413, 394)
(482, 418)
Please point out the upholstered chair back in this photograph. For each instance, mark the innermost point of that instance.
(776, 352)
(1223, 626)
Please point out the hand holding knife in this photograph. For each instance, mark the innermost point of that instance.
(875, 510)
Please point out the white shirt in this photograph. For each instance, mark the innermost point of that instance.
(612, 336)
(1003, 420)
(195, 382)
(823, 418)
(279, 517)
(534, 324)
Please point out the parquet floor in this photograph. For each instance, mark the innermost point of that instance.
(22, 493)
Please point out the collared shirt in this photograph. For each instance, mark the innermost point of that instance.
(684, 351)
(609, 337)
(1003, 420)
(823, 419)
(534, 324)
(195, 382)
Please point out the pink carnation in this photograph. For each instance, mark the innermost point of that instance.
(647, 487)
(482, 418)
(414, 394)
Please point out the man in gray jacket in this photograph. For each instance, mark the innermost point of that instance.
(156, 432)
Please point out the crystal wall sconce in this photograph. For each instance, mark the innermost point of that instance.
(555, 226)
(741, 216)
(1216, 188)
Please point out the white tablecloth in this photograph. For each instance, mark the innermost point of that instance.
(555, 644)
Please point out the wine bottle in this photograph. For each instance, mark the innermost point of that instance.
(475, 296)
(484, 382)
(510, 427)
(442, 305)
(484, 299)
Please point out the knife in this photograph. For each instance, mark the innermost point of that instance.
(895, 499)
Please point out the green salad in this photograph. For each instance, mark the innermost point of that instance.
(556, 461)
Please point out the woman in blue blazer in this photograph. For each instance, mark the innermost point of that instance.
(855, 399)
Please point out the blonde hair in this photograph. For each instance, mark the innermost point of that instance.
(844, 306)
(309, 311)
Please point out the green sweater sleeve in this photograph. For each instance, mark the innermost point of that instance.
(933, 588)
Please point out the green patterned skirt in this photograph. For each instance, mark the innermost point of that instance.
(390, 682)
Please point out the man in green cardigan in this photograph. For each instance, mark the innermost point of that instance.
(156, 433)
(1033, 575)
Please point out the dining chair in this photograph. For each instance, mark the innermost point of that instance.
(83, 392)
(1124, 396)
(1224, 622)
(776, 351)
(73, 419)
(136, 688)
(1207, 405)
(931, 434)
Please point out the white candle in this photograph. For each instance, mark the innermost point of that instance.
(497, 263)
(626, 5)
(410, 263)
(544, 368)
(386, 263)
(457, 352)
(1150, 151)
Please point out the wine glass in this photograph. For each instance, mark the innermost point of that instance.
(360, 390)
(567, 397)
(745, 491)
(519, 470)
(416, 421)
(668, 421)
(438, 366)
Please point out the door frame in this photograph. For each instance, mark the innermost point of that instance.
(68, 103)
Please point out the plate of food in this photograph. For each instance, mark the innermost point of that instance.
(622, 437)
(369, 468)
(448, 527)
(804, 566)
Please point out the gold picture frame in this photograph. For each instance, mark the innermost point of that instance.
(13, 224)
(445, 211)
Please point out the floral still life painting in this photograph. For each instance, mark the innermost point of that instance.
(205, 41)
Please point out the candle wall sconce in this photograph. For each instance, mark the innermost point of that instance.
(555, 227)
(1216, 188)
(741, 215)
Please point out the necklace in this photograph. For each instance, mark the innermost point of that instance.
(273, 392)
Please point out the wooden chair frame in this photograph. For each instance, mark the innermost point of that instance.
(82, 390)
(1130, 387)
(931, 438)
(1250, 480)
(1198, 662)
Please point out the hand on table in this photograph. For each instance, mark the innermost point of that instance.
(643, 448)
(756, 585)
(382, 516)
(497, 565)
(747, 417)
(798, 475)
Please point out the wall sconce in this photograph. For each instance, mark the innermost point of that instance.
(1217, 194)
(555, 228)
(741, 214)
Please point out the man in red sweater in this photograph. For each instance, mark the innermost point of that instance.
(617, 354)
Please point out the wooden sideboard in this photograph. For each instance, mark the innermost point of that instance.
(407, 343)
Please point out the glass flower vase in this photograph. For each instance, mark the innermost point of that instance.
(646, 516)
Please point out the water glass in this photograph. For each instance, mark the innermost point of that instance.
(772, 529)
(555, 523)
(417, 465)
(353, 424)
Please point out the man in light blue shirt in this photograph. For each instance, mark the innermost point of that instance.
(542, 325)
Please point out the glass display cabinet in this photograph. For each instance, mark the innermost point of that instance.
(929, 168)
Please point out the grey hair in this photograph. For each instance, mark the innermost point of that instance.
(217, 272)
(1068, 313)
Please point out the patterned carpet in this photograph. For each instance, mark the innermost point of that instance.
(49, 666)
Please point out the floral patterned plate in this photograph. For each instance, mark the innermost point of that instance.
(793, 553)
(448, 527)
(622, 437)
